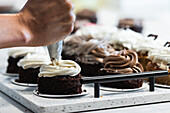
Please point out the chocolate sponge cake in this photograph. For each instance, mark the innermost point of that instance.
(28, 75)
(12, 64)
(60, 78)
(133, 24)
(122, 62)
(60, 85)
(29, 67)
(16, 54)
(87, 15)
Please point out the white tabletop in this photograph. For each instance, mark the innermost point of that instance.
(8, 105)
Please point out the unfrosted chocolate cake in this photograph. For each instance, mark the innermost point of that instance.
(28, 75)
(122, 62)
(60, 78)
(133, 24)
(60, 85)
(87, 15)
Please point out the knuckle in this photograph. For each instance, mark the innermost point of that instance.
(69, 29)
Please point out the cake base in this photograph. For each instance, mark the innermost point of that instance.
(90, 70)
(128, 84)
(60, 85)
(12, 65)
(160, 80)
(28, 75)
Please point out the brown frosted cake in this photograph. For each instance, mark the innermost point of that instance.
(29, 67)
(143, 47)
(60, 78)
(15, 54)
(87, 52)
(122, 62)
(133, 24)
(87, 15)
(160, 60)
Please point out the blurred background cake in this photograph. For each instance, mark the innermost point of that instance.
(122, 62)
(160, 60)
(87, 52)
(133, 24)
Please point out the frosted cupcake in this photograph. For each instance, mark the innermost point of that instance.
(15, 54)
(87, 52)
(29, 67)
(60, 78)
(160, 60)
(122, 62)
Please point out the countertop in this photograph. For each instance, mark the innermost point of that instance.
(8, 105)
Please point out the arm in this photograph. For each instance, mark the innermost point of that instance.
(41, 22)
(10, 31)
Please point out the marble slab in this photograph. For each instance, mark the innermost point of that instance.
(25, 96)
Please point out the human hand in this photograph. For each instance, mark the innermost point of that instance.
(46, 21)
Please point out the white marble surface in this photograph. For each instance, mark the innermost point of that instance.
(25, 96)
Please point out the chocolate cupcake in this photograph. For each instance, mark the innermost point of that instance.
(60, 78)
(122, 62)
(87, 15)
(87, 52)
(160, 60)
(15, 54)
(133, 24)
(29, 67)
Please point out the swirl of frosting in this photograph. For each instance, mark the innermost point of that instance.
(23, 51)
(103, 50)
(89, 49)
(80, 45)
(125, 61)
(20, 51)
(34, 60)
(64, 67)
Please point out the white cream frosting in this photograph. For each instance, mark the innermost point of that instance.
(160, 56)
(34, 60)
(97, 31)
(128, 38)
(20, 51)
(23, 51)
(64, 67)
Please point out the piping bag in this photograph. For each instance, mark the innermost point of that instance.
(55, 51)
